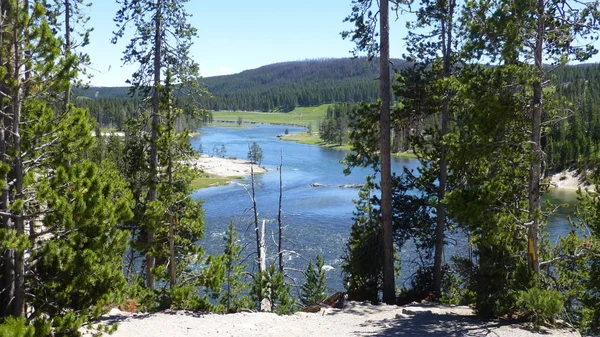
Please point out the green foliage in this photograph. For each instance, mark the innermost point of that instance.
(271, 285)
(313, 291)
(255, 153)
(491, 172)
(457, 289)
(18, 327)
(543, 305)
(83, 270)
(364, 137)
(234, 294)
(362, 264)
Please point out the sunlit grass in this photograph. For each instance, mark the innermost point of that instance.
(313, 139)
(209, 180)
(301, 116)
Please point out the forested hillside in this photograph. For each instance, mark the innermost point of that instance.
(282, 86)
(574, 140)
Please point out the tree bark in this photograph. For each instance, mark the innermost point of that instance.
(256, 229)
(67, 98)
(438, 261)
(7, 281)
(279, 220)
(155, 121)
(15, 66)
(535, 173)
(389, 284)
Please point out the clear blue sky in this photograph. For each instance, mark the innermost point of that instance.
(236, 35)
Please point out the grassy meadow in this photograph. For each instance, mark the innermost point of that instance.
(301, 116)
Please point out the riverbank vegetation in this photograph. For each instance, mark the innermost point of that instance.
(92, 222)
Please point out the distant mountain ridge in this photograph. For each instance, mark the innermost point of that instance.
(283, 86)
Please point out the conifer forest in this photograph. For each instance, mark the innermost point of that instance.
(492, 97)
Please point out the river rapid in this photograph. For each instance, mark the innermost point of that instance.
(317, 206)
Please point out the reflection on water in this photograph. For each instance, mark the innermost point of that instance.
(317, 220)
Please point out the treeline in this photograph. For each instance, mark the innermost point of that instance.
(114, 112)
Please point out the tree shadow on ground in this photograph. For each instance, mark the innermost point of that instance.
(426, 323)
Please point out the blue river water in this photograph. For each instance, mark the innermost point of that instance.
(317, 220)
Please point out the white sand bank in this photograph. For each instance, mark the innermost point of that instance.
(226, 167)
(357, 319)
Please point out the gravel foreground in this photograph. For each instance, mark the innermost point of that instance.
(356, 319)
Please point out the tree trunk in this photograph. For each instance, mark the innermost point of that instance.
(172, 217)
(265, 304)
(256, 229)
(389, 284)
(440, 229)
(18, 301)
(152, 193)
(67, 98)
(172, 262)
(279, 220)
(535, 173)
(7, 280)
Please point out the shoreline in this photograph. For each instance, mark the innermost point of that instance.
(226, 167)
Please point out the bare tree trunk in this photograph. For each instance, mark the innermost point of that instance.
(256, 229)
(389, 284)
(440, 228)
(7, 283)
(265, 304)
(535, 172)
(280, 243)
(67, 98)
(18, 305)
(262, 248)
(155, 121)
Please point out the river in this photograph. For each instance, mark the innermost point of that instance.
(317, 220)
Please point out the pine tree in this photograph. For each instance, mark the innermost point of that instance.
(438, 17)
(157, 25)
(313, 289)
(234, 295)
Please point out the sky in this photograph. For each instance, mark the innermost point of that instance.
(237, 35)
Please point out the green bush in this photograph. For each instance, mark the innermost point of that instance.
(18, 327)
(542, 305)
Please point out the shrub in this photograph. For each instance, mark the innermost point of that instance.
(542, 305)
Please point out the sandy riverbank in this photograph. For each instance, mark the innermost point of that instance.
(226, 167)
(356, 319)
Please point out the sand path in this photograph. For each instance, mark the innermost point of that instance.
(357, 319)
